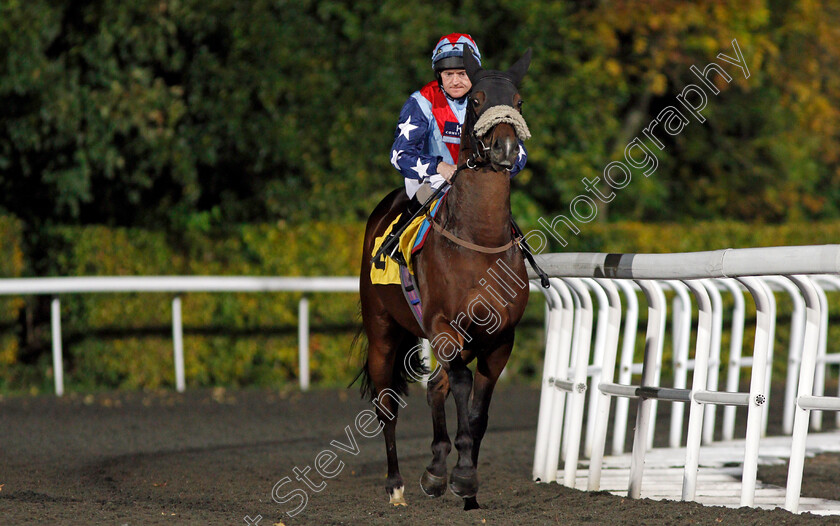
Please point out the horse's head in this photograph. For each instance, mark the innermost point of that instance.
(495, 120)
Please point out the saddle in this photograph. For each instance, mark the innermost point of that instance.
(385, 270)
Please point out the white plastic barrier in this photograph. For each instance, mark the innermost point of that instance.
(628, 344)
(695, 271)
(828, 283)
(815, 329)
(682, 364)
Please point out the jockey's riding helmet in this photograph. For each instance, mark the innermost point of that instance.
(449, 52)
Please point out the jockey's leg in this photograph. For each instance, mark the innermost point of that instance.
(424, 192)
(391, 244)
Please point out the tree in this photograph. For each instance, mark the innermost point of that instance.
(171, 113)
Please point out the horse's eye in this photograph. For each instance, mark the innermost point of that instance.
(476, 102)
(519, 104)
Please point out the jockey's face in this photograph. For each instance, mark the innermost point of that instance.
(455, 82)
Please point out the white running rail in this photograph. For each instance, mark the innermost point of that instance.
(177, 285)
(797, 271)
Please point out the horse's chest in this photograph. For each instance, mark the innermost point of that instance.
(485, 311)
(482, 296)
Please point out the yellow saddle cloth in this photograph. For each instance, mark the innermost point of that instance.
(390, 275)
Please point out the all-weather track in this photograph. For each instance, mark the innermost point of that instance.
(213, 457)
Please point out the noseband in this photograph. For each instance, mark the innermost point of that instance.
(480, 151)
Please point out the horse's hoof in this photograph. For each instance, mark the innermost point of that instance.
(463, 486)
(397, 497)
(471, 504)
(432, 485)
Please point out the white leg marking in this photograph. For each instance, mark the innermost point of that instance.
(397, 497)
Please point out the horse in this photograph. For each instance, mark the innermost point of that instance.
(465, 317)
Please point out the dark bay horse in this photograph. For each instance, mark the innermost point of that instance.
(473, 284)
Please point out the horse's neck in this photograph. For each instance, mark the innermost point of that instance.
(478, 207)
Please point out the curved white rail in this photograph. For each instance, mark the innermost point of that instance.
(706, 274)
(727, 263)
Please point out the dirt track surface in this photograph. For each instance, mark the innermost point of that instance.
(213, 457)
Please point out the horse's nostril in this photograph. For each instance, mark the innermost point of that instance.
(503, 151)
(502, 145)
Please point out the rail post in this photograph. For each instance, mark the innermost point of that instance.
(303, 342)
(758, 396)
(58, 362)
(653, 348)
(178, 344)
(699, 382)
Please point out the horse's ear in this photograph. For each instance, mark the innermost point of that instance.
(471, 64)
(518, 70)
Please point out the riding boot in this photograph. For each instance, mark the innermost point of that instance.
(390, 246)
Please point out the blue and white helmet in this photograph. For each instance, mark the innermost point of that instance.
(449, 51)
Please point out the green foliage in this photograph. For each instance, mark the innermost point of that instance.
(636, 237)
(12, 265)
(200, 113)
(123, 340)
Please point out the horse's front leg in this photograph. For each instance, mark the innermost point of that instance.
(487, 372)
(433, 482)
(463, 481)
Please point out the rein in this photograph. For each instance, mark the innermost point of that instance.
(463, 242)
(472, 246)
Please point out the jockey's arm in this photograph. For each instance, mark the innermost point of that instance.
(408, 151)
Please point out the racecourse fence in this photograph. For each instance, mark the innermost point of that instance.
(573, 361)
(177, 285)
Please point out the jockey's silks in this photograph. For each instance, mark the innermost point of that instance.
(428, 132)
(450, 128)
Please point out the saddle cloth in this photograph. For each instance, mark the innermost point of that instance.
(411, 241)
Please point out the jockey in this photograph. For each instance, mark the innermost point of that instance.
(428, 136)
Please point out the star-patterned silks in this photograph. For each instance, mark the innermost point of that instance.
(406, 127)
(418, 148)
(395, 156)
(421, 169)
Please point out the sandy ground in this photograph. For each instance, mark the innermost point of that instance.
(214, 457)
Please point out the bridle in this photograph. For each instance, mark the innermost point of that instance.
(478, 158)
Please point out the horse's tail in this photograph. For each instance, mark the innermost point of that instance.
(363, 372)
(409, 366)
